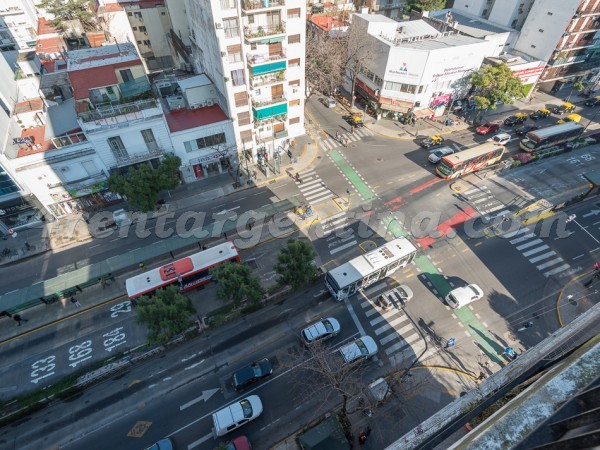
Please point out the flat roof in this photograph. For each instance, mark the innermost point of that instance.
(195, 81)
(471, 25)
(415, 28)
(441, 42)
(185, 119)
(108, 55)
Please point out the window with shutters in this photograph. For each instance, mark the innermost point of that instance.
(149, 139)
(293, 13)
(295, 83)
(241, 99)
(237, 77)
(244, 118)
(294, 102)
(231, 28)
(246, 136)
(294, 120)
(117, 148)
(234, 53)
(294, 62)
(294, 39)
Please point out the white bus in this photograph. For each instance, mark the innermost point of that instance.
(551, 136)
(366, 269)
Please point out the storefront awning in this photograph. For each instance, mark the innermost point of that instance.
(423, 113)
(390, 104)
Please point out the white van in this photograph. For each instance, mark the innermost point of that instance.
(459, 297)
(237, 414)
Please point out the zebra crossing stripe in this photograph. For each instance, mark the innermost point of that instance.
(313, 189)
(541, 257)
(307, 172)
(557, 270)
(389, 325)
(403, 343)
(343, 247)
(536, 250)
(554, 262)
(397, 334)
(317, 199)
(522, 238)
(514, 233)
(529, 244)
(479, 200)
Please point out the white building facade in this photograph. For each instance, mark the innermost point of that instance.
(416, 69)
(254, 51)
(18, 25)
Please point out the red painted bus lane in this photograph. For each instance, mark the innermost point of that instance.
(445, 227)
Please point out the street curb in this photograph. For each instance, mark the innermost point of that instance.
(559, 299)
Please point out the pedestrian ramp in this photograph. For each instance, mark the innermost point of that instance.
(331, 142)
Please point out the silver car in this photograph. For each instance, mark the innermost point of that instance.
(437, 155)
(361, 349)
(320, 331)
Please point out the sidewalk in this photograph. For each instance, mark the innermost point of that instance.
(575, 297)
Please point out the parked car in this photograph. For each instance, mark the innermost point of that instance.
(163, 444)
(595, 101)
(500, 138)
(361, 349)
(437, 155)
(540, 114)
(252, 373)
(515, 119)
(570, 118)
(487, 128)
(405, 292)
(459, 297)
(524, 129)
(320, 331)
(431, 141)
(565, 108)
(237, 414)
(239, 443)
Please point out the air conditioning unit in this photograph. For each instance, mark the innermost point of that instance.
(209, 103)
(218, 26)
(223, 54)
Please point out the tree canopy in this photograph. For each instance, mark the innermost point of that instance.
(495, 83)
(142, 184)
(166, 314)
(69, 10)
(424, 5)
(237, 284)
(295, 264)
(324, 61)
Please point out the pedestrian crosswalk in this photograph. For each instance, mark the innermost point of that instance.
(337, 236)
(537, 252)
(482, 200)
(331, 143)
(397, 336)
(312, 187)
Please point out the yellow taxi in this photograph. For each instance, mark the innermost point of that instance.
(571, 118)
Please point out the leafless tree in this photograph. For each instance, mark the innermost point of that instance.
(324, 61)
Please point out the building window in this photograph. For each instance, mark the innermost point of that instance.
(294, 103)
(408, 88)
(234, 53)
(294, 39)
(294, 120)
(294, 62)
(549, 13)
(148, 136)
(237, 77)
(293, 13)
(211, 141)
(295, 83)
(228, 4)
(134, 28)
(130, 14)
(244, 118)
(117, 148)
(138, 15)
(147, 43)
(139, 42)
(126, 75)
(231, 28)
(110, 90)
(241, 98)
(142, 29)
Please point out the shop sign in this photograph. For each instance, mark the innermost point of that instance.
(80, 191)
(366, 88)
(441, 100)
(528, 76)
(448, 72)
(403, 69)
(208, 158)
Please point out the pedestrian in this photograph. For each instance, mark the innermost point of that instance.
(352, 129)
(362, 438)
(481, 376)
(17, 318)
(225, 236)
(75, 302)
(451, 343)
(337, 135)
(249, 226)
(133, 302)
(27, 246)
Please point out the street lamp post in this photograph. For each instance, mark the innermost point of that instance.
(348, 199)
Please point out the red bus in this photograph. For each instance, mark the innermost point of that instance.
(189, 272)
(470, 160)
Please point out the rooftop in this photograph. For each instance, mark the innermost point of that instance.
(470, 25)
(95, 77)
(193, 81)
(36, 104)
(328, 23)
(415, 29)
(45, 27)
(50, 47)
(441, 42)
(88, 58)
(185, 119)
(61, 119)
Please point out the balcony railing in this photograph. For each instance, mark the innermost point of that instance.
(570, 60)
(264, 80)
(264, 103)
(126, 160)
(263, 59)
(127, 110)
(270, 137)
(266, 31)
(254, 6)
(279, 117)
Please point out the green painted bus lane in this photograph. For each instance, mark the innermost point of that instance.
(487, 344)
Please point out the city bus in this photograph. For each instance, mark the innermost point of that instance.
(551, 136)
(360, 272)
(470, 160)
(188, 273)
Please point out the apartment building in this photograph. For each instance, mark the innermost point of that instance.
(18, 23)
(254, 52)
(562, 33)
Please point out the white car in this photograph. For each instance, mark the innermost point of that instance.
(437, 155)
(459, 297)
(237, 414)
(361, 349)
(320, 331)
(500, 138)
(328, 102)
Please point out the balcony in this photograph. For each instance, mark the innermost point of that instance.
(278, 118)
(257, 6)
(255, 34)
(262, 59)
(267, 109)
(261, 139)
(266, 80)
(126, 160)
(570, 60)
(265, 69)
(119, 115)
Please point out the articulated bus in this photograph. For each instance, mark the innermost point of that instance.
(366, 269)
(470, 160)
(188, 273)
(551, 136)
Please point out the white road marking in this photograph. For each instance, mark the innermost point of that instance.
(343, 247)
(529, 244)
(536, 250)
(544, 256)
(557, 270)
(522, 238)
(554, 262)
(200, 441)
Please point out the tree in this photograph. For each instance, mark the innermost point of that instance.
(166, 314)
(424, 5)
(494, 83)
(70, 10)
(295, 264)
(142, 184)
(324, 61)
(360, 52)
(577, 86)
(237, 284)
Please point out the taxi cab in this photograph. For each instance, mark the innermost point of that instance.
(515, 119)
(571, 118)
(593, 101)
(565, 108)
(540, 114)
